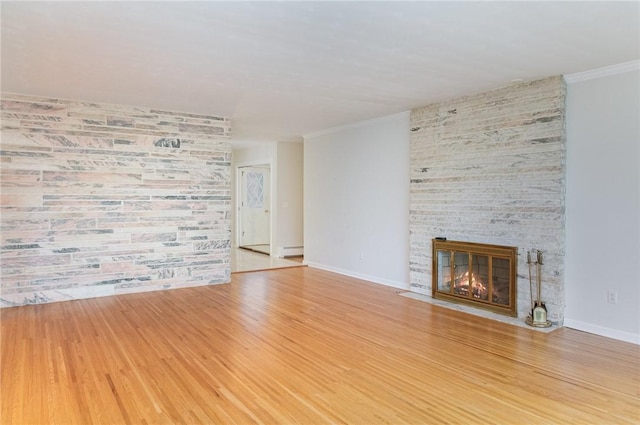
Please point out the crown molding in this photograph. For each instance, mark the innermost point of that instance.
(603, 72)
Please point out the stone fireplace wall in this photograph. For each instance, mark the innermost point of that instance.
(102, 199)
(490, 168)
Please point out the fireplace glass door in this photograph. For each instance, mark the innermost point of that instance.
(444, 271)
(484, 275)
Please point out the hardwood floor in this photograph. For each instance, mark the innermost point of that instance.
(301, 345)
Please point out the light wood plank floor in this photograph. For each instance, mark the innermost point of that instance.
(301, 345)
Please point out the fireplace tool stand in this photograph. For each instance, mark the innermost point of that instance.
(538, 315)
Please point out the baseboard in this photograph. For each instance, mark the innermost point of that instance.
(290, 251)
(350, 273)
(602, 331)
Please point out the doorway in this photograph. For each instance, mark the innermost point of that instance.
(254, 208)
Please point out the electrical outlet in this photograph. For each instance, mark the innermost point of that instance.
(612, 296)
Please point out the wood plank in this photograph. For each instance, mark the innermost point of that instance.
(301, 345)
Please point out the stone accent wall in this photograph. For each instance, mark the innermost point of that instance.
(490, 168)
(102, 199)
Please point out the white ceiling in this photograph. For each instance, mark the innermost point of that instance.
(284, 69)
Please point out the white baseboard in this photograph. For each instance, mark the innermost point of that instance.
(602, 331)
(290, 251)
(350, 273)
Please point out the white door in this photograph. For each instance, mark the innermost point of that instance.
(255, 201)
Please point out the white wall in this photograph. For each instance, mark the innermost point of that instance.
(356, 192)
(289, 188)
(602, 204)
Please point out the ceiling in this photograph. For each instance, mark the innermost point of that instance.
(281, 70)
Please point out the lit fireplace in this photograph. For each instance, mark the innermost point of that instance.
(479, 274)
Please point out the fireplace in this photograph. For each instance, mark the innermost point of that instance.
(478, 274)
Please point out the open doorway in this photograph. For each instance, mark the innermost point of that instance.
(279, 233)
(254, 208)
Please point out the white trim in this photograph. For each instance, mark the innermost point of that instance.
(290, 251)
(369, 278)
(602, 331)
(603, 72)
(354, 125)
(255, 163)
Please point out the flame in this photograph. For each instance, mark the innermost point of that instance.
(462, 283)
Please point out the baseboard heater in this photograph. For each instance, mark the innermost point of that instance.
(291, 251)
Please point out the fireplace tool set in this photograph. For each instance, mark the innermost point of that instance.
(538, 315)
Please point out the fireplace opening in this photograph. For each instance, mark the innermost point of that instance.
(482, 275)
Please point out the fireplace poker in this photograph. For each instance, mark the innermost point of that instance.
(538, 316)
(530, 281)
(540, 310)
(539, 278)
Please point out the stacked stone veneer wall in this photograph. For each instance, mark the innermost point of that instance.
(490, 168)
(102, 199)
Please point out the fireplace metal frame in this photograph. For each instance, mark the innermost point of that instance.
(473, 248)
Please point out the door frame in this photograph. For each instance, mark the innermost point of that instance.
(238, 222)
